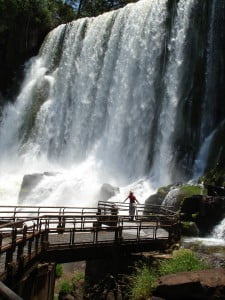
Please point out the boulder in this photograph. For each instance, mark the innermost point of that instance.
(189, 229)
(201, 285)
(29, 182)
(107, 191)
(205, 211)
(64, 296)
(156, 199)
(215, 190)
(172, 196)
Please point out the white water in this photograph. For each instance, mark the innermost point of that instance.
(171, 98)
(216, 238)
(203, 154)
(87, 105)
(219, 230)
(208, 241)
(170, 198)
(202, 157)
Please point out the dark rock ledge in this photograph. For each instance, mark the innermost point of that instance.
(201, 285)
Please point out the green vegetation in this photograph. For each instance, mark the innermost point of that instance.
(190, 190)
(89, 8)
(189, 228)
(143, 281)
(215, 176)
(23, 26)
(47, 13)
(78, 281)
(163, 191)
(187, 191)
(182, 261)
(59, 271)
(69, 283)
(66, 287)
(77, 277)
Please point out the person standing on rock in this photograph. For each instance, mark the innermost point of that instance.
(132, 206)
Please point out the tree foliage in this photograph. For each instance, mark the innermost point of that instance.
(90, 8)
(25, 23)
(48, 13)
(23, 26)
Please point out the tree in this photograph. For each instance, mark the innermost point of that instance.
(23, 26)
(95, 7)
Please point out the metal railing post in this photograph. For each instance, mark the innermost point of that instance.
(22, 244)
(1, 239)
(9, 252)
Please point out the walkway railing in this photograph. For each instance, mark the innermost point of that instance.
(28, 231)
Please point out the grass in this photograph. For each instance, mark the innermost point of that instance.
(66, 287)
(143, 281)
(59, 271)
(182, 261)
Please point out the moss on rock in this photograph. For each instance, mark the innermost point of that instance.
(189, 229)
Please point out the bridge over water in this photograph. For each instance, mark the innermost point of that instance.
(30, 235)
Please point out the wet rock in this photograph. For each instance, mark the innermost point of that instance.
(202, 285)
(189, 229)
(205, 211)
(63, 296)
(30, 181)
(107, 191)
(215, 190)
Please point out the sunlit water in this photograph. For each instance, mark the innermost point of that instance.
(87, 108)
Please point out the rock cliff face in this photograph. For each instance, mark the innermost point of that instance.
(16, 47)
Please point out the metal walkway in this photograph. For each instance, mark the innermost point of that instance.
(29, 234)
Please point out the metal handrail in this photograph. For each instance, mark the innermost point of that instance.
(7, 293)
(27, 235)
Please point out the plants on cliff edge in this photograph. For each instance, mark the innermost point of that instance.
(183, 260)
(59, 271)
(142, 283)
(66, 287)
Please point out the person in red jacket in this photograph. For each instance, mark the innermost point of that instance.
(132, 206)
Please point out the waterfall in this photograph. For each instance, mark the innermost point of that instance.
(99, 103)
(204, 152)
(171, 198)
(219, 230)
(202, 157)
(209, 107)
(212, 118)
(98, 80)
(171, 94)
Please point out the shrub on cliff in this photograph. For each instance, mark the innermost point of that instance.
(59, 271)
(143, 281)
(183, 260)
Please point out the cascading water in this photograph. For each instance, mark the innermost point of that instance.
(210, 116)
(219, 230)
(171, 95)
(98, 104)
(202, 156)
